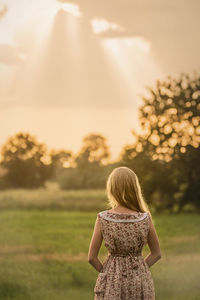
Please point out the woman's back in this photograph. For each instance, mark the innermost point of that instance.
(124, 233)
(125, 274)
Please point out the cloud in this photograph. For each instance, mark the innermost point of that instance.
(116, 34)
(102, 25)
(137, 18)
(172, 27)
(151, 19)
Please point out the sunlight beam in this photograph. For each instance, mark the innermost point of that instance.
(131, 60)
(102, 25)
(71, 8)
(130, 54)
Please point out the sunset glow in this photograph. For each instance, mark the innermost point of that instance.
(54, 57)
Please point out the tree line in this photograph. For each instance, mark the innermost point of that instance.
(166, 155)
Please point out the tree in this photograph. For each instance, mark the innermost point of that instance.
(158, 181)
(60, 160)
(94, 150)
(90, 171)
(170, 119)
(26, 161)
(188, 169)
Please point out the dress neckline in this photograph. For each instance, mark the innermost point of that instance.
(126, 214)
(122, 217)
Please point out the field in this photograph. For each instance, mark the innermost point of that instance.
(44, 243)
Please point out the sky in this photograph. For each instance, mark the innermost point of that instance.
(68, 69)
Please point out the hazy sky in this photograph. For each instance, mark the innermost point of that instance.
(68, 69)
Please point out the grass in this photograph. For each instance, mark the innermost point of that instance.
(43, 251)
(53, 198)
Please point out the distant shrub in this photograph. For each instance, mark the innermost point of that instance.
(90, 177)
(3, 183)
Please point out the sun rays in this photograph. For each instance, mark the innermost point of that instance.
(66, 66)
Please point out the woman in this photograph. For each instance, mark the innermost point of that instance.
(126, 228)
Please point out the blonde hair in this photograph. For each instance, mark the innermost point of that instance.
(123, 188)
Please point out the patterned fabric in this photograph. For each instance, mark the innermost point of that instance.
(125, 275)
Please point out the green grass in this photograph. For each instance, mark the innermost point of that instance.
(44, 240)
(53, 198)
(43, 255)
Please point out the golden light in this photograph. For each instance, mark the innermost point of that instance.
(130, 59)
(102, 25)
(154, 139)
(36, 15)
(172, 142)
(138, 42)
(125, 55)
(183, 149)
(50, 33)
(71, 8)
(167, 129)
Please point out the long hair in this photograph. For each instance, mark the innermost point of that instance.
(123, 188)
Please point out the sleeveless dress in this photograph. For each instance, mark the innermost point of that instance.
(125, 275)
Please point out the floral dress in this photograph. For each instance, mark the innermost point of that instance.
(125, 275)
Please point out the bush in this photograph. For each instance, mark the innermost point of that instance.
(91, 176)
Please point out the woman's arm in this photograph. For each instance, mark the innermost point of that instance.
(95, 246)
(154, 246)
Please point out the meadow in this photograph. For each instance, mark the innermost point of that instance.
(44, 240)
